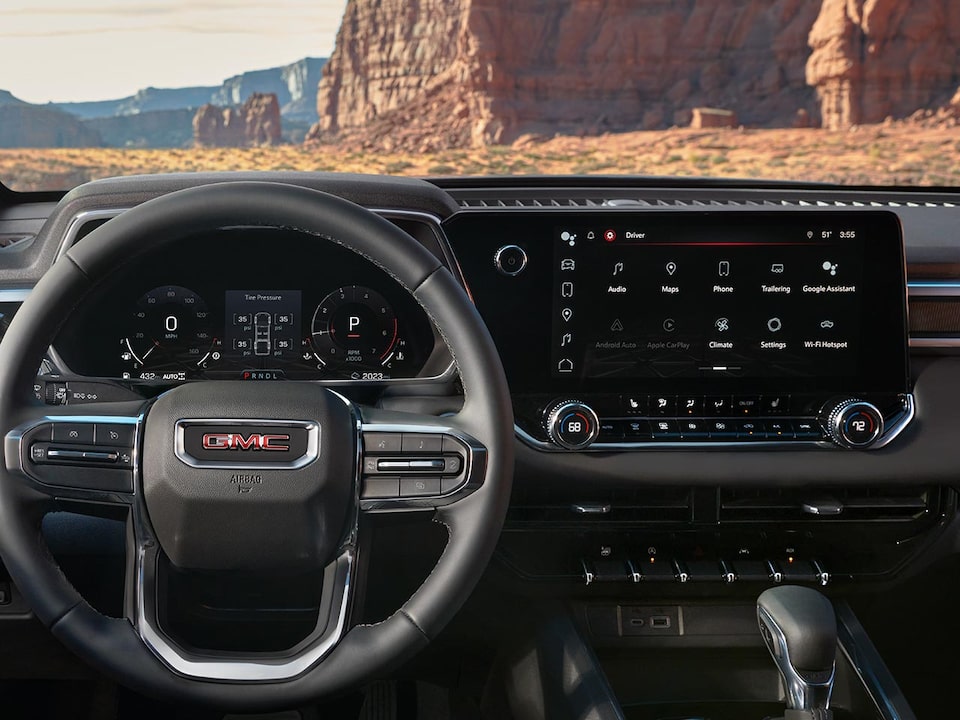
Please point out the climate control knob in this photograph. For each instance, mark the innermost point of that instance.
(571, 424)
(853, 423)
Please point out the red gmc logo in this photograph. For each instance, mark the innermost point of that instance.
(236, 441)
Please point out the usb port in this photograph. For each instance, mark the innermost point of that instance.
(660, 622)
(637, 622)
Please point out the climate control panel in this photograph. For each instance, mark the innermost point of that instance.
(642, 421)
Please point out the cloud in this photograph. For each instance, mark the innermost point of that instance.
(177, 7)
(204, 17)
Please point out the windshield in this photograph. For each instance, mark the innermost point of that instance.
(823, 90)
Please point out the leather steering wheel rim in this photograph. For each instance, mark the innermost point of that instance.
(473, 522)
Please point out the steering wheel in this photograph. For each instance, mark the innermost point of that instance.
(235, 477)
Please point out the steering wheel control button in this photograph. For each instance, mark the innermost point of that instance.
(75, 433)
(510, 260)
(452, 464)
(416, 443)
(115, 435)
(380, 488)
(571, 424)
(854, 423)
(382, 442)
(419, 486)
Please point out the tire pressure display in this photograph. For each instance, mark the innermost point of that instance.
(262, 325)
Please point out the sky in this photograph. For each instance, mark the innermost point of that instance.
(76, 50)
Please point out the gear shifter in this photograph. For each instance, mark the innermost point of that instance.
(800, 629)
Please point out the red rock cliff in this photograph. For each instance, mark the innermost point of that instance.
(877, 58)
(256, 122)
(423, 74)
(478, 71)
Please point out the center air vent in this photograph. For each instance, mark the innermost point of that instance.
(833, 505)
(651, 506)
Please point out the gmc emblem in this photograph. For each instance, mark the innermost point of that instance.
(254, 441)
(247, 444)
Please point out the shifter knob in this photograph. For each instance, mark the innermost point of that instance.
(799, 627)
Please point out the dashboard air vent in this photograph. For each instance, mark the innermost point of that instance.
(648, 506)
(833, 505)
(472, 201)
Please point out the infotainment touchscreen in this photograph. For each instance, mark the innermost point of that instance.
(695, 301)
(674, 297)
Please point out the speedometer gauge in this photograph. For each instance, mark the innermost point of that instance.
(354, 327)
(171, 331)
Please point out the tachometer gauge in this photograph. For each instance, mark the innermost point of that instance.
(354, 327)
(171, 331)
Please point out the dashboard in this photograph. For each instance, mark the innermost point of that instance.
(695, 367)
(717, 387)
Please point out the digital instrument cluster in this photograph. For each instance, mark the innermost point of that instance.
(291, 312)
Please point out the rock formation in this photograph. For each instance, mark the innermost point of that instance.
(35, 126)
(426, 74)
(874, 59)
(471, 72)
(153, 129)
(295, 86)
(256, 122)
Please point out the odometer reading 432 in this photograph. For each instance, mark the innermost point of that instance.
(171, 334)
(355, 327)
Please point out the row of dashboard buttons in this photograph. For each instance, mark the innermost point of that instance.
(629, 430)
(709, 405)
(613, 570)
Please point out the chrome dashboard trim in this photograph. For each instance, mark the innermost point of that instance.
(78, 221)
(867, 664)
(14, 294)
(933, 288)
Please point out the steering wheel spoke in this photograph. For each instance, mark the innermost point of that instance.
(412, 461)
(87, 458)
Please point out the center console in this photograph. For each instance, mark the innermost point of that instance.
(625, 330)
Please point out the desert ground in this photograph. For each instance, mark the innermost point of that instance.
(881, 155)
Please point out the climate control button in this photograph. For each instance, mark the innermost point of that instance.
(571, 424)
(853, 423)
